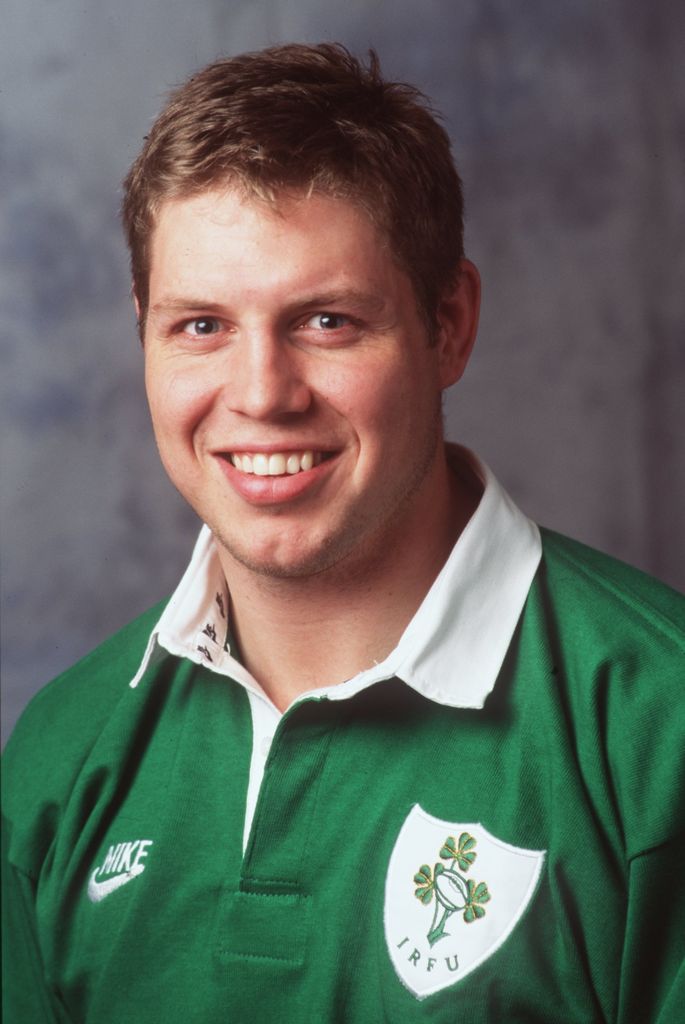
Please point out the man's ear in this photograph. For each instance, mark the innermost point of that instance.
(457, 319)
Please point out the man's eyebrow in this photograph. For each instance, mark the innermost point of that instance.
(365, 301)
(181, 305)
(342, 300)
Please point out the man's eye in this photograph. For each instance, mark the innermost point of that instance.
(327, 321)
(201, 326)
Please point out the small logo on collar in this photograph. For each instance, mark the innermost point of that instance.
(453, 895)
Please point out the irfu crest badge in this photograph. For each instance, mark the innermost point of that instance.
(453, 895)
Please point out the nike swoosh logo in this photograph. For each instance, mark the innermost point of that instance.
(98, 890)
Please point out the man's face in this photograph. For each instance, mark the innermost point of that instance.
(294, 394)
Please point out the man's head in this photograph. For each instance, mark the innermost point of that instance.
(307, 119)
(296, 239)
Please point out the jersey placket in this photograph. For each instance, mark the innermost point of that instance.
(263, 921)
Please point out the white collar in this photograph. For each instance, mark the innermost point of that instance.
(452, 649)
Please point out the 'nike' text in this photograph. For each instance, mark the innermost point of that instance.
(122, 863)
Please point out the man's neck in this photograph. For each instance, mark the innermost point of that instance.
(300, 634)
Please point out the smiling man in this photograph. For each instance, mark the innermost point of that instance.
(389, 752)
(296, 402)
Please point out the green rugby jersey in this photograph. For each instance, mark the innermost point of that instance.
(406, 860)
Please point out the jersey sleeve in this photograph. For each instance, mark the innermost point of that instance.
(25, 993)
(653, 968)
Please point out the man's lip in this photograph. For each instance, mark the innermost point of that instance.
(274, 490)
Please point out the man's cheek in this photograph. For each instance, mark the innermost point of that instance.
(178, 399)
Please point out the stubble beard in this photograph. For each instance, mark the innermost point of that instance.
(350, 551)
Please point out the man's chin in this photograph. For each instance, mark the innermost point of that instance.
(290, 564)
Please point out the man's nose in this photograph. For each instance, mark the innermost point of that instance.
(267, 377)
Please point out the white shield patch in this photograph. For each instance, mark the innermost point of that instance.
(453, 895)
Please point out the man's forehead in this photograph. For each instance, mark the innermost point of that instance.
(277, 205)
(327, 238)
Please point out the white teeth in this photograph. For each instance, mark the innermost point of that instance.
(276, 464)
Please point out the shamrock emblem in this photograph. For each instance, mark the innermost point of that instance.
(452, 891)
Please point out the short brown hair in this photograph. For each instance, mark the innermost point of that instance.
(311, 118)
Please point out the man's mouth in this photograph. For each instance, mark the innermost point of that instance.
(277, 463)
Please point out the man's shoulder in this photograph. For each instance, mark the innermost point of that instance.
(65, 717)
(610, 640)
(96, 680)
(591, 588)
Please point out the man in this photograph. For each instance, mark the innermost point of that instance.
(387, 753)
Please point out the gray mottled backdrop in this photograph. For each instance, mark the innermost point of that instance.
(568, 125)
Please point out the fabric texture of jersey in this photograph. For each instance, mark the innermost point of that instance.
(408, 859)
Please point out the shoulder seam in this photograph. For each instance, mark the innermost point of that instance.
(666, 626)
(677, 836)
(21, 870)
